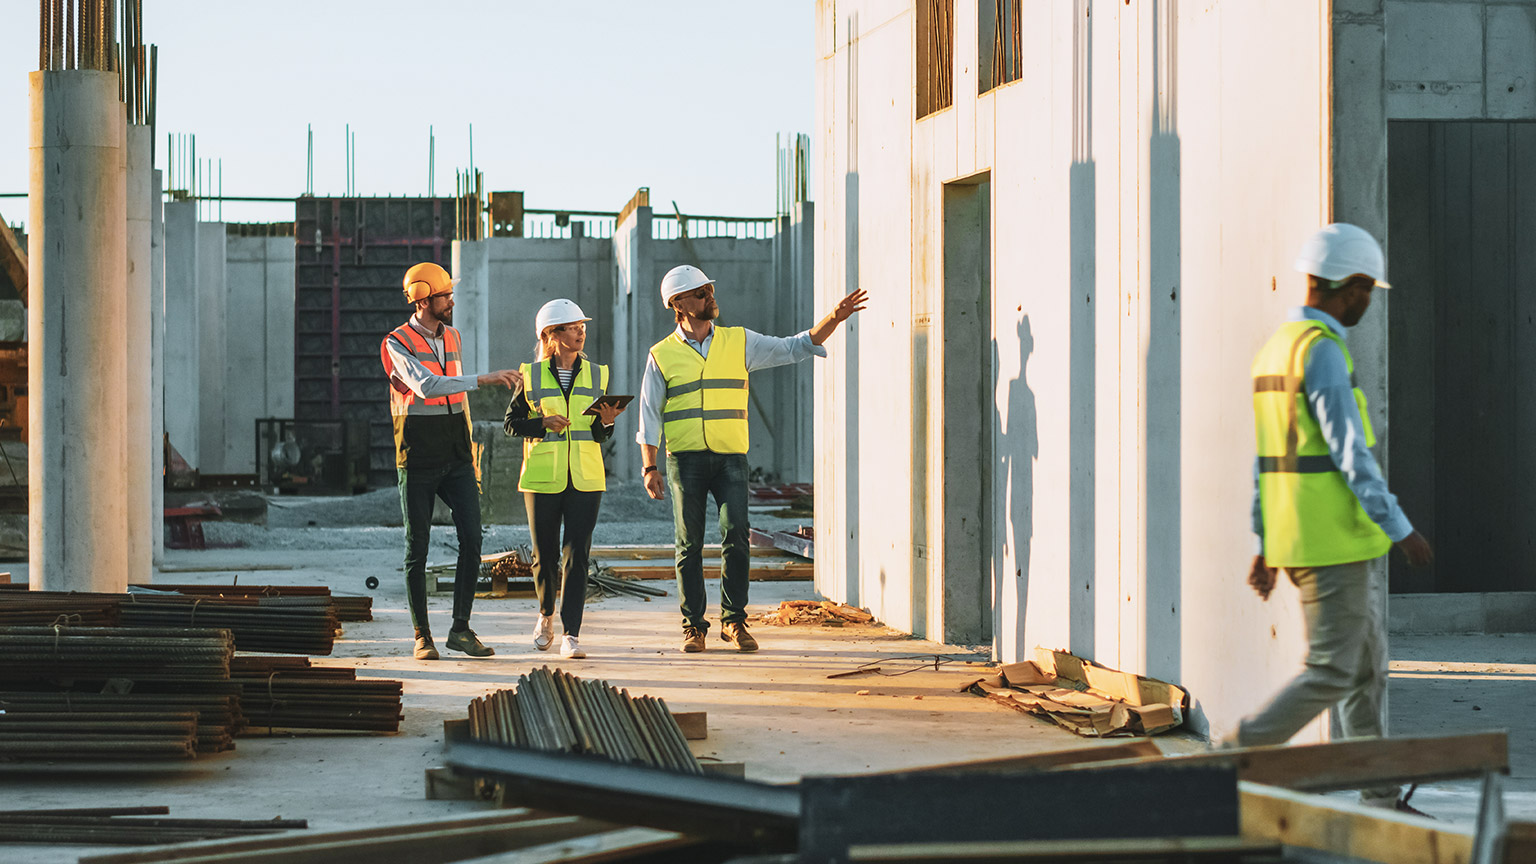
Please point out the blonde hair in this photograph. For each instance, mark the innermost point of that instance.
(543, 352)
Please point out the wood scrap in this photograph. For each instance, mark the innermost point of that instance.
(1083, 697)
(814, 612)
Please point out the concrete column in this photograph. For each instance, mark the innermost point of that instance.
(801, 461)
(77, 324)
(157, 369)
(212, 336)
(181, 354)
(471, 265)
(633, 288)
(143, 522)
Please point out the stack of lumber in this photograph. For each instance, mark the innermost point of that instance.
(289, 693)
(1083, 697)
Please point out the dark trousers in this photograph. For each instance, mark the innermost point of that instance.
(456, 485)
(546, 511)
(695, 476)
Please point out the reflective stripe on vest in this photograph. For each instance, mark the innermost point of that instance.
(571, 457)
(402, 400)
(706, 406)
(1311, 517)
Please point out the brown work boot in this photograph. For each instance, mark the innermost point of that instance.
(693, 640)
(425, 650)
(736, 634)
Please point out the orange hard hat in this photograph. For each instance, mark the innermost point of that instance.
(426, 280)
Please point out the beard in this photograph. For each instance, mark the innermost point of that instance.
(446, 316)
(709, 313)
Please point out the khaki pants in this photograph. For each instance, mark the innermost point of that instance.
(1346, 666)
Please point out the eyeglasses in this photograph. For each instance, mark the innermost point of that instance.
(703, 293)
(582, 327)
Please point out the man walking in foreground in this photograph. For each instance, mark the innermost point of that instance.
(695, 390)
(432, 451)
(1321, 509)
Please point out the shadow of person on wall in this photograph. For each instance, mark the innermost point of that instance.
(1018, 447)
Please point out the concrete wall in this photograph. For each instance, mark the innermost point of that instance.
(1146, 183)
(1460, 60)
(258, 360)
(183, 356)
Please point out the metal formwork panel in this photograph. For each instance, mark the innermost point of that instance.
(351, 255)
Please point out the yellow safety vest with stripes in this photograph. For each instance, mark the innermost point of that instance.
(1311, 517)
(572, 456)
(706, 407)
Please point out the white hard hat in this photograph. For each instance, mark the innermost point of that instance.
(557, 312)
(1341, 250)
(680, 280)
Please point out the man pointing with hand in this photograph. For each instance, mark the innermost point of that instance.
(695, 390)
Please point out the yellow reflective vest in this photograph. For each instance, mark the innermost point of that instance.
(706, 405)
(565, 457)
(1311, 517)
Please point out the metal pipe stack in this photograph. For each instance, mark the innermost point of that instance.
(349, 607)
(218, 714)
(68, 735)
(289, 693)
(33, 653)
(558, 712)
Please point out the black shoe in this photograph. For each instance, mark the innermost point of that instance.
(466, 641)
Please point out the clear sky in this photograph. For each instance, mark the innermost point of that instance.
(575, 102)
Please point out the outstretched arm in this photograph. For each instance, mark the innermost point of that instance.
(844, 310)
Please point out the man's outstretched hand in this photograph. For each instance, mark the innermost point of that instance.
(1262, 577)
(844, 310)
(509, 378)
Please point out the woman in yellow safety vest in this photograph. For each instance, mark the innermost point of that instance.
(562, 476)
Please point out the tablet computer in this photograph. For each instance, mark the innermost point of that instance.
(620, 401)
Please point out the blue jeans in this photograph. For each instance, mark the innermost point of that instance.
(695, 476)
(456, 485)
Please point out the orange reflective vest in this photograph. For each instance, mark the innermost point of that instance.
(404, 404)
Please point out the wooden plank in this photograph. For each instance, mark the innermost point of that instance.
(1139, 749)
(14, 260)
(1520, 842)
(1359, 763)
(695, 724)
(1348, 828)
(654, 551)
(620, 845)
(252, 849)
(1076, 849)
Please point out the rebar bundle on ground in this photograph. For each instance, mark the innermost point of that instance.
(218, 714)
(23, 608)
(60, 651)
(289, 693)
(558, 712)
(348, 607)
(68, 735)
(121, 826)
(298, 625)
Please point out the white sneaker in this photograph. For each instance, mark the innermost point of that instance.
(544, 632)
(570, 648)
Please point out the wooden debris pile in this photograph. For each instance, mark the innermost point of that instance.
(1083, 697)
(814, 612)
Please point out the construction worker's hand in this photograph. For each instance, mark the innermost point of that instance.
(1262, 577)
(608, 413)
(556, 423)
(653, 484)
(1416, 549)
(850, 304)
(509, 378)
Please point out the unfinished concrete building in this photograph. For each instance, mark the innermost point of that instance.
(1077, 222)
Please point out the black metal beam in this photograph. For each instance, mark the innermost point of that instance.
(751, 814)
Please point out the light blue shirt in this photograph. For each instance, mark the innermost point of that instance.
(1331, 398)
(763, 352)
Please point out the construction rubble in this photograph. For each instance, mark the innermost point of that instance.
(1085, 698)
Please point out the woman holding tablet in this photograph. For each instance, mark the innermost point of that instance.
(562, 477)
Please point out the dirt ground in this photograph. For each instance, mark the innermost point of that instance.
(776, 711)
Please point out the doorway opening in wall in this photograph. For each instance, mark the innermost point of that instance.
(967, 412)
(1462, 349)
